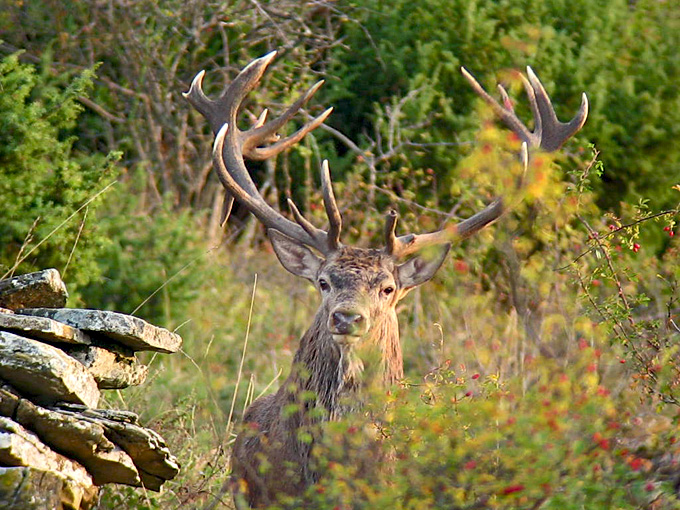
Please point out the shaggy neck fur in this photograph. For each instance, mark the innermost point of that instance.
(336, 374)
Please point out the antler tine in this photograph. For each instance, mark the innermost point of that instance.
(405, 245)
(265, 132)
(332, 211)
(259, 122)
(506, 114)
(390, 232)
(226, 208)
(225, 108)
(301, 220)
(555, 133)
(549, 133)
(260, 153)
(197, 97)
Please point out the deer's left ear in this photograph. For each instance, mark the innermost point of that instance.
(421, 268)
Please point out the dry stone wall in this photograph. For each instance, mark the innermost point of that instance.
(56, 446)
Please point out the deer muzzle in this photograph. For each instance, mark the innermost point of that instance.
(347, 325)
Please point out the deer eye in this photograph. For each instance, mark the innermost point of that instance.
(387, 290)
(324, 285)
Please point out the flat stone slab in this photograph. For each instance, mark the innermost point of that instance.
(45, 372)
(9, 400)
(19, 447)
(131, 331)
(43, 328)
(82, 440)
(25, 488)
(42, 288)
(113, 367)
(153, 460)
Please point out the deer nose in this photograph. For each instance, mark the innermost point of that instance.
(347, 323)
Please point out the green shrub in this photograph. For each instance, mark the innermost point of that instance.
(44, 182)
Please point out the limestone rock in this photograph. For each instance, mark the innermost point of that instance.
(19, 447)
(113, 367)
(25, 488)
(9, 401)
(131, 331)
(148, 450)
(81, 440)
(43, 371)
(43, 288)
(43, 328)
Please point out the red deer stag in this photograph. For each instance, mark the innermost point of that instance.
(359, 287)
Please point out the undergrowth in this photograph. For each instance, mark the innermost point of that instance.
(545, 383)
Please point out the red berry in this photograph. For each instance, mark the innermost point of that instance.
(511, 489)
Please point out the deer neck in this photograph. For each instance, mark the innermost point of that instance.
(336, 374)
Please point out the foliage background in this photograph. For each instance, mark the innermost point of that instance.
(541, 362)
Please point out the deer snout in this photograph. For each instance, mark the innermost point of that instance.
(347, 323)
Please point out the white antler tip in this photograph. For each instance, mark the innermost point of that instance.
(219, 137)
(266, 59)
(465, 72)
(260, 63)
(524, 155)
(196, 83)
(471, 79)
(532, 75)
(583, 110)
(261, 119)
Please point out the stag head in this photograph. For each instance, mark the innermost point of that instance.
(357, 286)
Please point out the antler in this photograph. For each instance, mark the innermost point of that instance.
(232, 144)
(549, 134)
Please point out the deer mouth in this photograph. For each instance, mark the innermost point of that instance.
(346, 340)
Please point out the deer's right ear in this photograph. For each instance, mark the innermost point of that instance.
(295, 257)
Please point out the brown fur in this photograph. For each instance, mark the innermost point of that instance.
(271, 455)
